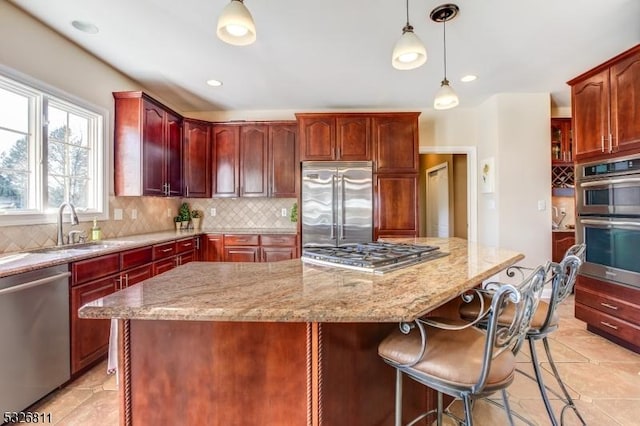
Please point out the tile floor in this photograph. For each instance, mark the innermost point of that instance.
(603, 378)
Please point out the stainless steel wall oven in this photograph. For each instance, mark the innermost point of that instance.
(608, 207)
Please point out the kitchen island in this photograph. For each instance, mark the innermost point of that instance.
(283, 343)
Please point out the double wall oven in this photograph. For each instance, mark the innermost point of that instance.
(608, 219)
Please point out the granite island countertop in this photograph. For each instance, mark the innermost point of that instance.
(293, 291)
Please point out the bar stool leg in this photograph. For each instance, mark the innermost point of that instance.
(440, 409)
(466, 399)
(569, 401)
(540, 381)
(507, 408)
(398, 419)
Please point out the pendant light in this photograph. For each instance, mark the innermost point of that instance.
(409, 52)
(445, 98)
(235, 24)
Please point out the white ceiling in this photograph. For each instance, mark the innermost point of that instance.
(324, 54)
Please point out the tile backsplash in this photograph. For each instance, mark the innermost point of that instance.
(155, 214)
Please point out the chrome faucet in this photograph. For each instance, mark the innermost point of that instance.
(554, 224)
(74, 220)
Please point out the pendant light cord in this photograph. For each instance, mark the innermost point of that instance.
(444, 23)
(407, 12)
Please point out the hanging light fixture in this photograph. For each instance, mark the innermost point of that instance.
(409, 52)
(446, 98)
(235, 24)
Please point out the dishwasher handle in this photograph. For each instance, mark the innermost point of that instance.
(36, 283)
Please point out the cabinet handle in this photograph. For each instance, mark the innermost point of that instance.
(197, 243)
(187, 191)
(119, 283)
(606, 305)
(606, 324)
(602, 144)
(126, 280)
(610, 143)
(186, 244)
(168, 189)
(167, 250)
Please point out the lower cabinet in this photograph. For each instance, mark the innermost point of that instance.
(249, 247)
(561, 242)
(610, 310)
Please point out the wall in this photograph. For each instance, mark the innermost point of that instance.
(460, 225)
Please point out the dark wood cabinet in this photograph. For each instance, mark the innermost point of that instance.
(610, 310)
(213, 248)
(197, 159)
(253, 160)
(561, 141)
(342, 137)
(242, 248)
(395, 143)
(274, 248)
(284, 169)
(226, 160)
(147, 147)
(395, 206)
(561, 241)
(606, 112)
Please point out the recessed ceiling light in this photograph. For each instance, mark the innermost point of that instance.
(214, 83)
(85, 27)
(468, 78)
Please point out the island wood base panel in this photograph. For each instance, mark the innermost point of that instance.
(279, 374)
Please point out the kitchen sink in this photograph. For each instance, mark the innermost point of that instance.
(79, 248)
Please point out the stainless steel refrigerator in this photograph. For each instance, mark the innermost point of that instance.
(337, 203)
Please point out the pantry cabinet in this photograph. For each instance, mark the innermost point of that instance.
(606, 113)
(147, 147)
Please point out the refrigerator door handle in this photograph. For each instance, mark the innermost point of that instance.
(333, 208)
(343, 201)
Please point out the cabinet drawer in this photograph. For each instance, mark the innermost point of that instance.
(136, 275)
(609, 324)
(279, 240)
(90, 269)
(241, 240)
(136, 257)
(185, 244)
(164, 265)
(160, 251)
(611, 305)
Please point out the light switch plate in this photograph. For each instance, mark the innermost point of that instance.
(542, 205)
(117, 214)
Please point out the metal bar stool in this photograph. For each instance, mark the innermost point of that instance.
(562, 277)
(459, 359)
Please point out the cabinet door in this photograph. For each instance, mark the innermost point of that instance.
(561, 140)
(241, 254)
(89, 337)
(395, 143)
(87, 270)
(173, 154)
(164, 265)
(395, 206)
(353, 138)
(561, 243)
(590, 106)
(625, 104)
(197, 159)
(213, 248)
(283, 161)
(187, 257)
(226, 145)
(317, 137)
(136, 275)
(276, 254)
(253, 160)
(153, 151)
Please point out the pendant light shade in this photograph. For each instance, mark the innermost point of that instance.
(235, 24)
(409, 52)
(445, 98)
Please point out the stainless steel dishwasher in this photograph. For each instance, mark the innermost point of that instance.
(34, 336)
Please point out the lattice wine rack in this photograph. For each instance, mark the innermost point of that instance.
(562, 177)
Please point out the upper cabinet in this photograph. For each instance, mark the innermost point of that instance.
(342, 137)
(395, 142)
(255, 160)
(147, 147)
(606, 108)
(561, 141)
(197, 159)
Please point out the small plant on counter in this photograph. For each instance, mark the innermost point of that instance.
(196, 214)
(184, 213)
(294, 213)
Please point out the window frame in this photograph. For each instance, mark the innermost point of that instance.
(40, 94)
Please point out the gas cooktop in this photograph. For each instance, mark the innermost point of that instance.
(376, 257)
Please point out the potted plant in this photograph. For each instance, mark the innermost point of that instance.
(178, 224)
(185, 215)
(196, 219)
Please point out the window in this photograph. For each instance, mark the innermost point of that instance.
(51, 151)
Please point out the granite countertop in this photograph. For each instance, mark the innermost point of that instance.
(29, 260)
(293, 291)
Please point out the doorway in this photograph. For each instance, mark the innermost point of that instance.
(437, 201)
(464, 197)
